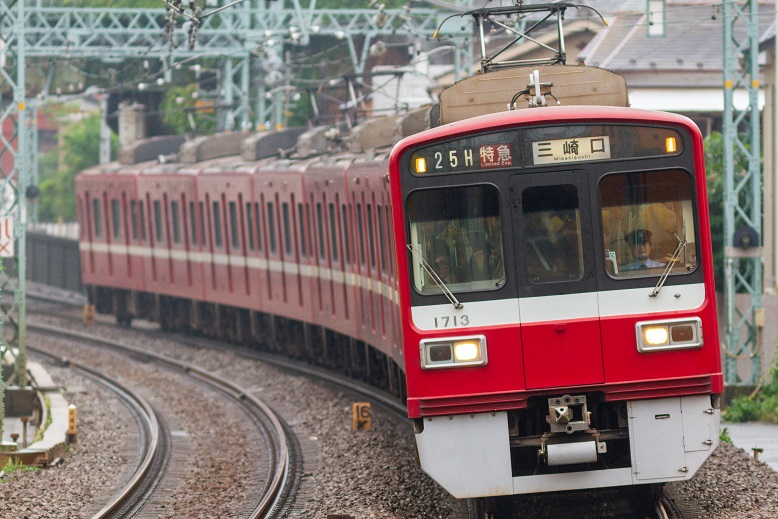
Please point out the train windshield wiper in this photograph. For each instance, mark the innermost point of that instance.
(673, 260)
(434, 275)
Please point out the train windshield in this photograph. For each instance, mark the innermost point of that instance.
(648, 223)
(457, 231)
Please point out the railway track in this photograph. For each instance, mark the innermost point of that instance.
(154, 445)
(279, 485)
(664, 508)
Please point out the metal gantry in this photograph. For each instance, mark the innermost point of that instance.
(232, 35)
(743, 194)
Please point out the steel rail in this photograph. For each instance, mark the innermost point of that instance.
(275, 485)
(150, 437)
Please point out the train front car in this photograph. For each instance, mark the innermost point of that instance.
(559, 316)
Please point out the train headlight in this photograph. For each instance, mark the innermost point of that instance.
(453, 353)
(669, 335)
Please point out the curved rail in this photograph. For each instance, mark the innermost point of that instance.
(141, 480)
(275, 484)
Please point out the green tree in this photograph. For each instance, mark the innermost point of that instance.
(714, 168)
(180, 110)
(80, 150)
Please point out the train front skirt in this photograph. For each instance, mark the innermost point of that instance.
(470, 456)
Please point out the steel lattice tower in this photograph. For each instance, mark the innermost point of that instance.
(743, 193)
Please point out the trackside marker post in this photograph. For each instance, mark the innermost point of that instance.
(72, 423)
(360, 416)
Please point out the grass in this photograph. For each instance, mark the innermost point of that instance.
(15, 465)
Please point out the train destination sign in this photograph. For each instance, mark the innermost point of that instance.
(545, 146)
(578, 149)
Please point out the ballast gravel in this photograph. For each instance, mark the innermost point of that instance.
(365, 474)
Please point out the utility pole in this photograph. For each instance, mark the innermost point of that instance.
(744, 315)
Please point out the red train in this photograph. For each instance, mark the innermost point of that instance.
(537, 283)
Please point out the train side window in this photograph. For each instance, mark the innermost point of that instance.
(381, 237)
(301, 221)
(370, 235)
(257, 214)
(234, 226)
(346, 236)
(389, 235)
(202, 224)
(158, 221)
(553, 249)
(217, 225)
(142, 213)
(193, 223)
(271, 227)
(361, 234)
(287, 221)
(82, 234)
(320, 228)
(250, 226)
(458, 232)
(134, 219)
(648, 222)
(98, 217)
(333, 231)
(116, 218)
(175, 210)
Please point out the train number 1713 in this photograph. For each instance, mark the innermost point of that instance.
(451, 321)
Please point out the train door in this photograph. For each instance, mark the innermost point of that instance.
(560, 329)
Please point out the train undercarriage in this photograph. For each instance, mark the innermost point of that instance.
(267, 332)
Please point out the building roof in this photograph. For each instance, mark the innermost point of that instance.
(690, 51)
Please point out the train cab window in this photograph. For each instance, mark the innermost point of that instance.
(158, 221)
(553, 248)
(134, 219)
(193, 223)
(217, 225)
(456, 235)
(234, 226)
(648, 223)
(116, 218)
(98, 217)
(176, 214)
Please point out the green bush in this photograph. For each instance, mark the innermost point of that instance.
(761, 407)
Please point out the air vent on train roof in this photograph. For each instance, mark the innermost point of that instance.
(149, 149)
(492, 92)
(374, 133)
(315, 141)
(268, 144)
(211, 147)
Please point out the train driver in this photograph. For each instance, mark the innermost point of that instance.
(640, 239)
